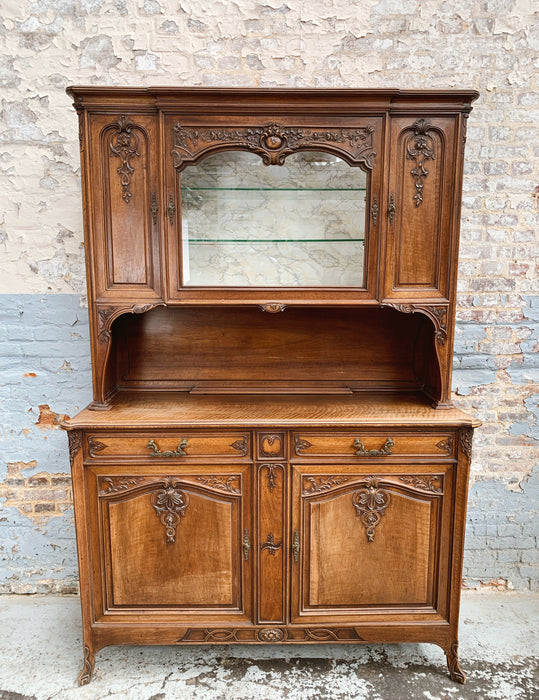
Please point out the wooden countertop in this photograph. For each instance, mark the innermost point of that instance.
(164, 409)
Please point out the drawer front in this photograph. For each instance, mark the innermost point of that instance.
(168, 446)
(361, 445)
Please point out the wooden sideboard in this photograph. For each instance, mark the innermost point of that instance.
(271, 455)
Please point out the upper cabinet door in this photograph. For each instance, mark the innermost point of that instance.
(123, 207)
(422, 208)
(261, 210)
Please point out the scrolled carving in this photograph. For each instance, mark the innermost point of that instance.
(426, 483)
(271, 445)
(446, 445)
(270, 545)
(455, 672)
(223, 483)
(319, 484)
(125, 147)
(437, 314)
(272, 474)
(370, 504)
(300, 445)
(95, 446)
(241, 445)
(465, 441)
(274, 142)
(115, 484)
(74, 438)
(170, 504)
(420, 149)
(85, 676)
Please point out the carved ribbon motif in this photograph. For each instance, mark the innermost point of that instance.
(273, 142)
(125, 147)
(370, 504)
(420, 148)
(170, 504)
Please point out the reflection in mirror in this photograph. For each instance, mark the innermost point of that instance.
(245, 224)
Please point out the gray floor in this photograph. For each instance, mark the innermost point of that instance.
(40, 658)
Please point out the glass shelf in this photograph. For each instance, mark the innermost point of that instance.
(274, 189)
(256, 241)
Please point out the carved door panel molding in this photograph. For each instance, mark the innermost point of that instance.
(162, 528)
(376, 539)
(421, 233)
(124, 206)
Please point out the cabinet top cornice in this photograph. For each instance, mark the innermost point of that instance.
(240, 99)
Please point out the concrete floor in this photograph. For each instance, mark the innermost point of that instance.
(41, 656)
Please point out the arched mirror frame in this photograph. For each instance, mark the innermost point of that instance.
(358, 145)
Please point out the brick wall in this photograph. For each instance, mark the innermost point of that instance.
(44, 356)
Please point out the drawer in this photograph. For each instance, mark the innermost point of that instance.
(157, 446)
(363, 445)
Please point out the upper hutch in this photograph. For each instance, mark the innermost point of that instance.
(271, 454)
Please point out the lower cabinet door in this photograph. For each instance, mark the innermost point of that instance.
(173, 543)
(371, 544)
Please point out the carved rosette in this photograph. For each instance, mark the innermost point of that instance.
(320, 484)
(271, 635)
(125, 147)
(170, 504)
(420, 149)
(370, 504)
(273, 308)
(274, 142)
(74, 438)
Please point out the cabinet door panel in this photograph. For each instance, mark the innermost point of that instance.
(171, 542)
(369, 542)
(124, 207)
(421, 192)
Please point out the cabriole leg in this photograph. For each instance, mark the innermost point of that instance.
(455, 671)
(85, 675)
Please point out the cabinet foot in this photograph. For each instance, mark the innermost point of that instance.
(85, 676)
(455, 671)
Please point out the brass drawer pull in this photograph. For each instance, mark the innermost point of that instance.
(361, 450)
(246, 545)
(296, 546)
(178, 452)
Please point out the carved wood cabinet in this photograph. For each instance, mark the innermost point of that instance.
(271, 455)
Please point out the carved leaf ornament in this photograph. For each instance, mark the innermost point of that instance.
(125, 147)
(370, 504)
(170, 504)
(420, 149)
(273, 142)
